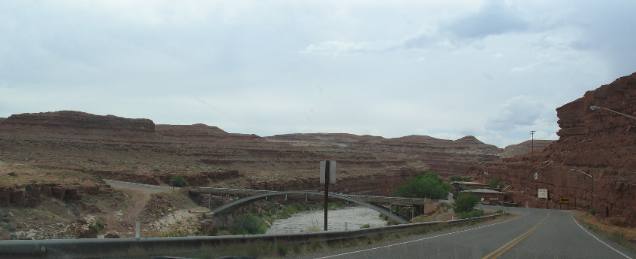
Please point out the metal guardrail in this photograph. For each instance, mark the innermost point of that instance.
(146, 247)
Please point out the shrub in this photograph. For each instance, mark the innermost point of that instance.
(177, 181)
(428, 185)
(365, 226)
(282, 250)
(97, 226)
(465, 202)
(494, 183)
(458, 178)
(249, 224)
(471, 214)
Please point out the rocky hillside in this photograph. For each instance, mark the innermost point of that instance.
(138, 150)
(524, 148)
(592, 165)
(71, 120)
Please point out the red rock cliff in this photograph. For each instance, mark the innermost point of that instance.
(592, 165)
(77, 121)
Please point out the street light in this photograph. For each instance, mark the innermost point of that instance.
(596, 108)
(591, 176)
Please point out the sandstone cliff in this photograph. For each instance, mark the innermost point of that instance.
(592, 165)
(138, 150)
(76, 120)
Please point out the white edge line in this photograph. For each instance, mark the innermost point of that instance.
(599, 240)
(417, 240)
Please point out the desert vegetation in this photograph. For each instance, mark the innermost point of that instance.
(427, 185)
(464, 206)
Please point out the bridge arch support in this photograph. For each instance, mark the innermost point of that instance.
(229, 206)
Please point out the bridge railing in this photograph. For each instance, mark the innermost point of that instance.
(368, 198)
(209, 246)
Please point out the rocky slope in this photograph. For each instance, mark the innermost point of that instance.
(524, 148)
(95, 147)
(592, 165)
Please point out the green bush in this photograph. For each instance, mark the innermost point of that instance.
(458, 178)
(471, 214)
(177, 181)
(249, 224)
(495, 183)
(97, 227)
(428, 185)
(465, 202)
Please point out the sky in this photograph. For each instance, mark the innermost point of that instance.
(492, 69)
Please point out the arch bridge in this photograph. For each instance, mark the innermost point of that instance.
(368, 201)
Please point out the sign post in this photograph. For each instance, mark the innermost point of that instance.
(327, 176)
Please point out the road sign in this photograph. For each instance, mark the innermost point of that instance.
(542, 193)
(332, 171)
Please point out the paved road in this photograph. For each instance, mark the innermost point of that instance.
(535, 233)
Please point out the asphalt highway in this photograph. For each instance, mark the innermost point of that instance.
(533, 233)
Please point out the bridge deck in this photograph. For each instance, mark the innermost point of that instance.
(401, 201)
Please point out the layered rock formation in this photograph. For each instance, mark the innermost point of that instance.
(76, 120)
(138, 150)
(592, 165)
(525, 147)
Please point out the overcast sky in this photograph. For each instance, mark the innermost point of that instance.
(493, 69)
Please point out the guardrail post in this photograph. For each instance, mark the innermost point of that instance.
(137, 230)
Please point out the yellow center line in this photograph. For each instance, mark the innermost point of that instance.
(506, 247)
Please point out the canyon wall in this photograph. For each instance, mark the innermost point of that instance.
(593, 164)
(76, 120)
(110, 147)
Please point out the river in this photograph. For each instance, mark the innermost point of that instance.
(348, 218)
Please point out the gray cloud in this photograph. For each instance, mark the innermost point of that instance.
(607, 27)
(493, 18)
(521, 114)
(439, 68)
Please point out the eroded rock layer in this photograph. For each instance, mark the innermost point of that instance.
(592, 165)
(525, 147)
(137, 150)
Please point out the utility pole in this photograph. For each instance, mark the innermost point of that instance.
(532, 141)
